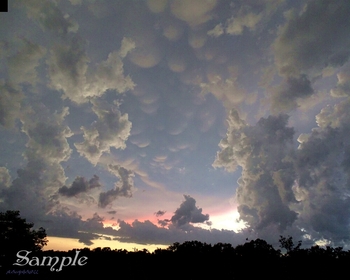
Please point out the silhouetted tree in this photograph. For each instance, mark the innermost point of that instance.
(16, 234)
(288, 244)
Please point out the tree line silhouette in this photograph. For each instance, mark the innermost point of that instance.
(188, 260)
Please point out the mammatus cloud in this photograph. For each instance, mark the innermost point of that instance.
(111, 129)
(123, 188)
(194, 12)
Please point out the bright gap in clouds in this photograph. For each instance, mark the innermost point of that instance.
(227, 220)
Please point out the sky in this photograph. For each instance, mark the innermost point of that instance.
(137, 124)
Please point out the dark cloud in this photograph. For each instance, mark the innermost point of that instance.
(123, 188)
(148, 233)
(188, 212)
(285, 96)
(80, 185)
(159, 213)
(65, 223)
(179, 228)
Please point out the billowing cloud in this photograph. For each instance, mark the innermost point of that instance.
(33, 190)
(80, 185)
(265, 154)
(68, 70)
(323, 174)
(68, 64)
(123, 188)
(314, 39)
(111, 129)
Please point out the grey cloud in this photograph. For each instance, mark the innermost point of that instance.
(342, 88)
(159, 213)
(33, 190)
(236, 25)
(67, 69)
(323, 174)
(164, 223)
(47, 138)
(177, 229)
(64, 223)
(194, 12)
(148, 233)
(246, 15)
(10, 104)
(265, 153)
(285, 96)
(188, 212)
(48, 16)
(80, 185)
(157, 6)
(22, 65)
(123, 188)
(5, 178)
(112, 129)
(315, 38)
